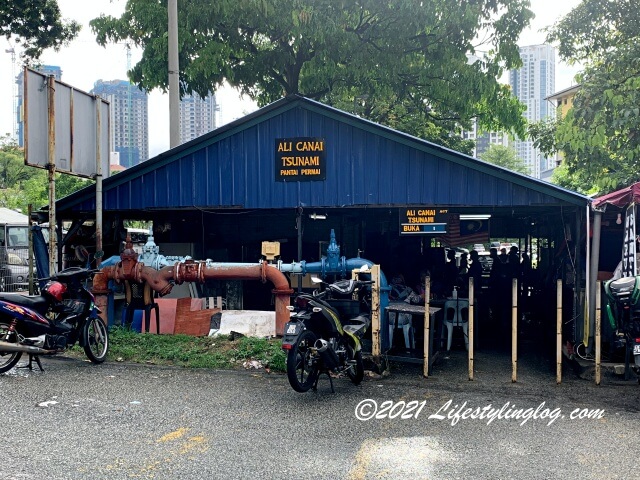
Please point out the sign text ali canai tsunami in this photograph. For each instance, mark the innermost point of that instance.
(423, 220)
(300, 159)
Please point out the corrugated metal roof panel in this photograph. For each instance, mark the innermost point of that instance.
(366, 164)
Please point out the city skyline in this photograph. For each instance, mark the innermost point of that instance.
(83, 62)
(197, 116)
(531, 85)
(129, 120)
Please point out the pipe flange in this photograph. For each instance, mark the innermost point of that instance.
(201, 269)
(118, 272)
(178, 276)
(137, 272)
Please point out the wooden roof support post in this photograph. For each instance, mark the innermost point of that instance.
(471, 333)
(559, 331)
(598, 331)
(514, 330)
(427, 325)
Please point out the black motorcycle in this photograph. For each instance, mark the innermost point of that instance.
(63, 315)
(317, 340)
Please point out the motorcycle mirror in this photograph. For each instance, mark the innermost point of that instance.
(316, 280)
(99, 254)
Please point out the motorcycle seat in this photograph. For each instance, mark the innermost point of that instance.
(36, 302)
(359, 321)
(356, 329)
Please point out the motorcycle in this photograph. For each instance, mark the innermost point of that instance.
(61, 316)
(623, 312)
(318, 341)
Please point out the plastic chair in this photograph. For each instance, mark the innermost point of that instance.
(139, 296)
(404, 321)
(456, 314)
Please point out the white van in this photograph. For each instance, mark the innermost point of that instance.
(14, 251)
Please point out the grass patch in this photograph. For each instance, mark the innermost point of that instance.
(194, 352)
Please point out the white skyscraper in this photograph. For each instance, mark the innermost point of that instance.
(197, 116)
(532, 84)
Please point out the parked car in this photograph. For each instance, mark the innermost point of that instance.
(478, 247)
(14, 274)
(486, 261)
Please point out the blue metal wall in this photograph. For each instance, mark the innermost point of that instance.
(366, 165)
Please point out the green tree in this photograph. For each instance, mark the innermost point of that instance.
(13, 171)
(21, 185)
(412, 64)
(36, 24)
(504, 157)
(600, 135)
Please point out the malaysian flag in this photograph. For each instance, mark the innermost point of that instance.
(465, 232)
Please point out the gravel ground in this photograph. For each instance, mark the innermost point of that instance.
(120, 421)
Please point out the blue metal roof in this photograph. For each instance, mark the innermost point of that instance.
(366, 164)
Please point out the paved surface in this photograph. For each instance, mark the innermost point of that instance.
(121, 421)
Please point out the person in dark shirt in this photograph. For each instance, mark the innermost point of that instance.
(450, 275)
(475, 270)
(513, 261)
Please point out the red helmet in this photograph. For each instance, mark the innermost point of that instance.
(55, 290)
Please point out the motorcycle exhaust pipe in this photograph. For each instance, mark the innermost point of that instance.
(16, 347)
(328, 354)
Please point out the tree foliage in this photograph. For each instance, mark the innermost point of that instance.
(504, 157)
(600, 135)
(36, 24)
(21, 185)
(410, 64)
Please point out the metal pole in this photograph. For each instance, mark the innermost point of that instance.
(598, 331)
(514, 330)
(471, 333)
(559, 331)
(299, 228)
(51, 168)
(579, 300)
(593, 270)
(31, 279)
(98, 179)
(174, 76)
(427, 326)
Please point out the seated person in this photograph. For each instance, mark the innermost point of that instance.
(402, 293)
(420, 287)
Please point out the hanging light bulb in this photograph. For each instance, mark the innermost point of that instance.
(619, 219)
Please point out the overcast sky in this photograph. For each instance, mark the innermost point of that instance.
(83, 62)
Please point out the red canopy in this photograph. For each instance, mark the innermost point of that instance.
(620, 198)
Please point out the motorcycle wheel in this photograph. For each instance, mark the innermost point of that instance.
(95, 339)
(8, 360)
(301, 375)
(356, 372)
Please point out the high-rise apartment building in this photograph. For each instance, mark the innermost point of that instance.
(129, 119)
(19, 114)
(532, 84)
(483, 140)
(197, 116)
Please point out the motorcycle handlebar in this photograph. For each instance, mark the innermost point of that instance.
(331, 288)
(71, 272)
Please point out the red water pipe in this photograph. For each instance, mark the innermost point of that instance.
(162, 280)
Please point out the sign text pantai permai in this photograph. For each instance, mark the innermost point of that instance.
(300, 159)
